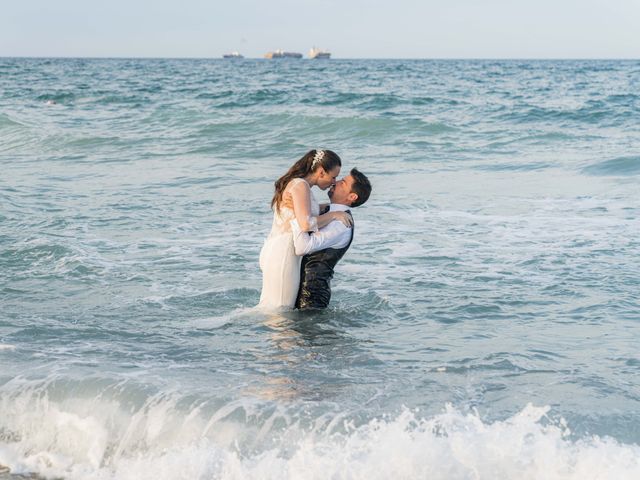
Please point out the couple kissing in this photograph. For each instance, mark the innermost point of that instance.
(308, 239)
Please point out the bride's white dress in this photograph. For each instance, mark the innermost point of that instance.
(278, 261)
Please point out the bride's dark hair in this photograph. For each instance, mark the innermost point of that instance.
(302, 168)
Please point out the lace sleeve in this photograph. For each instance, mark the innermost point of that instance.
(301, 193)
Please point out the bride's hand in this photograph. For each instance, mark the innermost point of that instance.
(287, 200)
(343, 217)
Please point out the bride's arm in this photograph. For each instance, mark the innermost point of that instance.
(301, 198)
(327, 218)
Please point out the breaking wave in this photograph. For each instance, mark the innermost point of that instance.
(164, 436)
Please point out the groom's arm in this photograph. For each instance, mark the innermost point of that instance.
(334, 235)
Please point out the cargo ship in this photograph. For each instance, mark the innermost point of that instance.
(318, 53)
(282, 54)
(232, 55)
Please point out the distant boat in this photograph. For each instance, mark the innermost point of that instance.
(282, 54)
(232, 55)
(319, 53)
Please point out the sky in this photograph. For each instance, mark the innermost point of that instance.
(348, 28)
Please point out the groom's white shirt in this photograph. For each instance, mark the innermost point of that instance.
(334, 235)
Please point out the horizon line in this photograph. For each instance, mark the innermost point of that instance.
(69, 57)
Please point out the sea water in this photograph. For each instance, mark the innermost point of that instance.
(484, 324)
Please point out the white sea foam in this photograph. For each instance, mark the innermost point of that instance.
(100, 440)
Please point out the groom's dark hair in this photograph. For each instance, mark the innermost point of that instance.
(361, 187)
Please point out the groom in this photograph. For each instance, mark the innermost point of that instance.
(323, 249)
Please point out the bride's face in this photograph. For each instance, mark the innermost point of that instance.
(327, 179)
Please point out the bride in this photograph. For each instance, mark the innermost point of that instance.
(279, 264)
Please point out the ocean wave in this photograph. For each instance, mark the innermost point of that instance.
(358, 128)
(263, 96)
(535, 139)
(131, 100)
(350, 128)
(215, 95)
(625, 99)
(365, 101)
(515, 167)
(7, 122)
(620, 166)
(57, 97)
(174, 437)
(40, 258)
(590, 114)
(35, 251)
(16, 137)
(90, 142)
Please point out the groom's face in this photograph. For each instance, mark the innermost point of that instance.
(341, 192)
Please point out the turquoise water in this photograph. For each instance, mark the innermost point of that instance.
(483, 325)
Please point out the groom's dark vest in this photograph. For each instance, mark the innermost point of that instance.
(316, 273)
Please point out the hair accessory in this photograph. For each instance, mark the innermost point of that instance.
(317, 158)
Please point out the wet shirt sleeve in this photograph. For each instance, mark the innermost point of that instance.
(334, 235)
